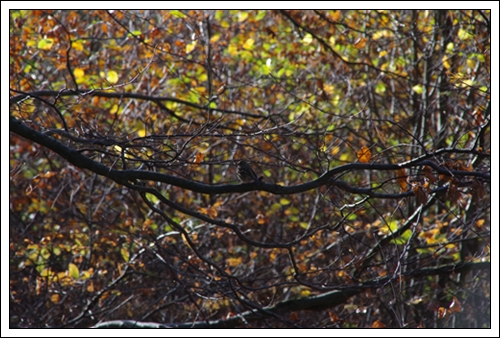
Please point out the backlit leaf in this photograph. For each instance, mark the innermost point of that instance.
(178, 14)
(364, 154)
(79, 73)
(112, 77)
(191, 46)
(73, 271)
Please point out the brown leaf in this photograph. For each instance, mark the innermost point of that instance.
(428, 173)
(453, 193)
(477, 190)
(333, 317)
(455, 305)
(419, 188)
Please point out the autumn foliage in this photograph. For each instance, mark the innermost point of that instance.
(369, 132)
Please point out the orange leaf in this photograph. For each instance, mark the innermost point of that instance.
(401, 177)
(378, 325)
(364, 155)
(199, 158)
(442, 312)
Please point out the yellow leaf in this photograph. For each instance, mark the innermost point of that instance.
(445, 61)
(87, 274)
(114, 109)
(232, 49)
(344, 157)
(464, 35)
(332, 41)
(334, 151)
(191, 46)
(79, 73)
(307, 39)
(112, 77)
(201, 90)
(203, 147)
(382, 34)
(364, 154)
(215, 38)
(418, 89)
(328, 88)
(141, 132)
(284, 201)
(73, 271)
(248, 44)
(125, 254)
(45, 272)
(242, 16)
(78, 45)
(471, 63)
(232, 262)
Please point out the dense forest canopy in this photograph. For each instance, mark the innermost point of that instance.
(365, 194)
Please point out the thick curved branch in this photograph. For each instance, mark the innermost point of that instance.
(121, 176)
(314, 303)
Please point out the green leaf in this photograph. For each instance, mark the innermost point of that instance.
(304, 225)
(45, 44)
(284, 201)
(380, 88)
(352, 217)
(178, 14)
(45, 253)
(260, 15)
(152, 198)
(275, 207)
